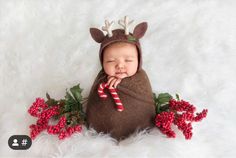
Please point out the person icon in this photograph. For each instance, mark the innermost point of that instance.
(15, 142)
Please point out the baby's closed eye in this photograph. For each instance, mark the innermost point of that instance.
(128, 60)
(109, 61)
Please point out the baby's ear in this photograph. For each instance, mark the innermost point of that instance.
(140, 30)
(97, 34)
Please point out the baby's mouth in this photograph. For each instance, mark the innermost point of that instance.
(119, 73)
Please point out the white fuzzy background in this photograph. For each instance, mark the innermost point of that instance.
(189, 49)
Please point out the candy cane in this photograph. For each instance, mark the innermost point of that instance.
(102, 86)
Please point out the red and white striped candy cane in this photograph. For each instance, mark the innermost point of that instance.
(102, 86)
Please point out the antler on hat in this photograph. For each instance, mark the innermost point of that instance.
(125, 24)
(107, 27)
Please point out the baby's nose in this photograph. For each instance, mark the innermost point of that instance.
(120, 65)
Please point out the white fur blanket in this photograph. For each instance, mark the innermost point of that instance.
(189, 49)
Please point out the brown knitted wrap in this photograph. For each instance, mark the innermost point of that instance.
(135, 92)
(136, 95)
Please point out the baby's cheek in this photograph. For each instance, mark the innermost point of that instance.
(109, 70)
(132, 71)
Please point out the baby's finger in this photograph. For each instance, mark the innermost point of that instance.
(117, 82)
(112, 83)
(110, 79)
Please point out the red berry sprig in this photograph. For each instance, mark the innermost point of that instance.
(37, 107)
(164, 121)
(44, 113)
(179, 113)
(69, 131)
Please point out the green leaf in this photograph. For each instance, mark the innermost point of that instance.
(50, 101)
(164, 98)
(165, 107)
(71, 106)
(67, 115)
(162, 101)
(76, 92)
(177, 97)
(48, 96)
(156, 103)
(69, 102)
(131, 38)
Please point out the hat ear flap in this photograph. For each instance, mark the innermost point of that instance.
(97, 35)
(140, 30)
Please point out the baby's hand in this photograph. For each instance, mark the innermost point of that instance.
(113, 81)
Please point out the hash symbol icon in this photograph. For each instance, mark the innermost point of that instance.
(24, 142)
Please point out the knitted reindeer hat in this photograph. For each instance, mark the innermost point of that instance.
(119, 35)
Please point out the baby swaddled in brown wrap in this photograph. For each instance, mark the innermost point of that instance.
(128, 105)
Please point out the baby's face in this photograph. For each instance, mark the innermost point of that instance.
(120, 60)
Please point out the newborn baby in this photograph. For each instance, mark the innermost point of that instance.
(132, 108)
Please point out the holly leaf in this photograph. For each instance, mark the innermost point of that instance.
(164, 98)
(50, 101)
(76, 92)
(177, 97)
(162, 101)
(70, 102)
(156, 103)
